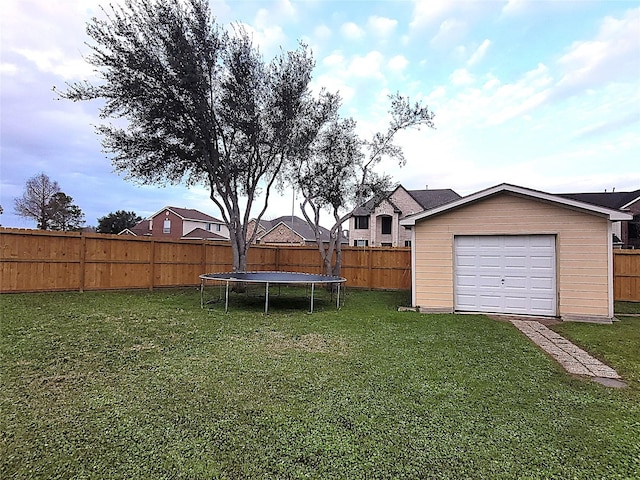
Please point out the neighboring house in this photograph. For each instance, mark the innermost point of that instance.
(378, 224)
(180, 223)
(287, 230)
(513, 250)
(627, 232)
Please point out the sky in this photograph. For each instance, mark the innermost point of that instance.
(541, 94)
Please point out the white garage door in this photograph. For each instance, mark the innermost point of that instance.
(506, 274)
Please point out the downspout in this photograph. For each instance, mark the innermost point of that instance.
(413, 267)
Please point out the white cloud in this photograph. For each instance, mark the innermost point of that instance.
(480, 52)
(516, 7)
(367, 66)
(351, 31)
(277, 14)
(427, 12)
(268, 39)
(398, 63)
(382, 26)
(334, 60)
(449, 33)
(491, 82)
(612, 56)
(528, 93)
(322, 32)
(8, 69)
(54, 61)
(461, 77)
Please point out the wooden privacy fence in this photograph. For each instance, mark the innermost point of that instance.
(36, 261)
(626, 275)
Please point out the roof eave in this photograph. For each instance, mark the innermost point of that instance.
(613, 215)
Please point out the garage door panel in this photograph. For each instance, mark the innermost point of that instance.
(489, 302)
(491, 262)
(486, 242)
(516, 304)
(488, 281)
(541, 283)
(546, 262)
(505, 274)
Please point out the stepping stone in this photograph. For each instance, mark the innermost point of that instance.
(572, 358)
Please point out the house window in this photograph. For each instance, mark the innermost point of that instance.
(361, 223)
(208, 227)
(217, 227)
(386, 244)
(166, 227)
(407, 243)
(386, 225)
(361, 243)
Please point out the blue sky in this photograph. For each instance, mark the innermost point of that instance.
(542, 94)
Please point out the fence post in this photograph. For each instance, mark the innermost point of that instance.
(370, 267)
(152, 263)
(203, 260)
(83, 252)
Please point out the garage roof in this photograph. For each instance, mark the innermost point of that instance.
(613, 215)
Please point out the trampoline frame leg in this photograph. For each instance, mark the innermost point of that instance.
(226, 298)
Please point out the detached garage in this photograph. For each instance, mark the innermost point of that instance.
(512, 250)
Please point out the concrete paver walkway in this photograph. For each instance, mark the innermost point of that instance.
(573, 359)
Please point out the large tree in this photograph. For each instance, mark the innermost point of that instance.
(64, 215)
(340, 171)
(196, 104)
(34, 202)
(117, 221)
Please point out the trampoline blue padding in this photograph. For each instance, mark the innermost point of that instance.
(267, 278)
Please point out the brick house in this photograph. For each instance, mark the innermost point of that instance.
(627, 232)
(378, 224)
(286, 230)
(180, 223)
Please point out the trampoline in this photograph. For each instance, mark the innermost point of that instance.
(268, 278)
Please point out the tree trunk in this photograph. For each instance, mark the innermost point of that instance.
(337, 268)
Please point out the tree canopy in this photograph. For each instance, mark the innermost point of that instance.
(340, 171)
(44, 202)
(187, 101)
(34, 202)
(117, 221)
(64, 214)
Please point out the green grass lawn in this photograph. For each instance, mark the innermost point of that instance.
(148, 385)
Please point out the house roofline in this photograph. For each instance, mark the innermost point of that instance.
(290, 227)
(613, 215)
(627, 205)
(182, 217)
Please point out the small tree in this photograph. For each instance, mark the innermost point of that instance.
(199, 105)
(34, 202)
(115, 222)
(340, 173)
(64, 215)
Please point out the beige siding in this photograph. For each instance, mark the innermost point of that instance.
(582, 250)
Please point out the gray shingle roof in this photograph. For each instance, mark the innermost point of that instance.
(427, 199)
(192, 214)
(614, 200)
(202, 234)
(299, 226)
